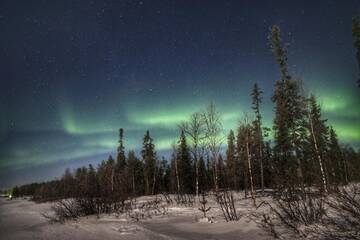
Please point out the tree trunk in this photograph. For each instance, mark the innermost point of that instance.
(133, 183)
(197, 177)
(154, 182)
(215, 173)
(177, 176)
(250, 171)
(261, 166)
(318, 156)
(112, 180)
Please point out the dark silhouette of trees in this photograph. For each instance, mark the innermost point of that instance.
(337, 162)
(185, 169)
(356, 36)
(289, 123)
(305, 153)
(257, 132)
(149, 159)
(232, 165)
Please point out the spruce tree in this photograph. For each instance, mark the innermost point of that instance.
(174, 180)
(184, 165)
(223, 182)
(110, 177)
(149, 159)
(289, 123)
(133, 171)
(203, 176)
(92, 183)
(122, 183)
(121, 159)
(338, 162)
(257, 132)
(242, 158)
(68, 184)
(231, 162)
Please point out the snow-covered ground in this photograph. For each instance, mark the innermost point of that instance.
(22, 219)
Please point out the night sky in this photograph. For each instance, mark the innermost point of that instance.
(73, 72)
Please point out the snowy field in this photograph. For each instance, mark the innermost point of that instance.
(22, 219)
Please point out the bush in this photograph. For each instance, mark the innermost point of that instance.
(343, 217)
(226, 202)
(294, 212)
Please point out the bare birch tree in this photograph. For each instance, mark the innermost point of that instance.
(214, 138)
(195, 131)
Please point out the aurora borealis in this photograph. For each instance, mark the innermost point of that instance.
(73, 72)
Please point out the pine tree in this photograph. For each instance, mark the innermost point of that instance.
(149, 159)
(121, 184)
(133, 171)
(161, 176)
(92, 183)
(337, 161)
(242, 158)
(231, 162)
(353, 162)
(109, 177)
(258, 135)
(268, 166)
(184, 165)
(289, 123)
(356, 36)
(223, 182)
(121, 159)
(203, 176)
(174, 178)
(68, 184)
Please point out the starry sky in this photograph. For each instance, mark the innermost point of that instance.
(73, 72)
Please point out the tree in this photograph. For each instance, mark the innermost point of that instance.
(231, 162)
(106, 178)
(223, 182)
(352, 162)
(92, 187)
(247, 133)
(289, 123)
(121, 179)
(338, 164)
(318, 137)
(242, 158)
(15, 192)
(184, 165)
(68, 184)
(203, 176)
(162, 179)
(134, 171)
(174, 175)
(121, 159)
(195, 130)
(213, 131)
(356, 36)
(149, 158)
(257, 125)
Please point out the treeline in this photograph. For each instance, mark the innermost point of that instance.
(305, 152)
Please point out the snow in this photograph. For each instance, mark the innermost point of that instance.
(22, 219)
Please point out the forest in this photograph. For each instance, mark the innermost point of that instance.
(297, 161)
